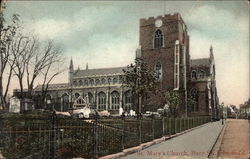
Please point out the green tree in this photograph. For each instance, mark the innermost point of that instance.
(173, 101)
(141, 80)
(191, 102)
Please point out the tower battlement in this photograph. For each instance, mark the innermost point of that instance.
(164, 18)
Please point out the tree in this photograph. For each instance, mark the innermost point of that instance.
(38, 59)
(191, 102)
(141, 81)
(173, 101)
(7, 42)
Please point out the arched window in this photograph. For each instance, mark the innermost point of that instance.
(101, 101)
(103, 81)
(97, 81)
(193, 75)
(80, 82)
(202, 74)
(48, 101)
(91, 82)
(115, 80)
(194, 98)
(75, 83)
(128, 100)
(65, 102)
(90, 100)
(158, 71)
(115, 100)
(86, 83)
(158, 39)
(38, 102)
(77, 95)
(109, 80)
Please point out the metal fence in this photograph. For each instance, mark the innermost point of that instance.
(67, 137)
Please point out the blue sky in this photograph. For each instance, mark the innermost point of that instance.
(106, 33)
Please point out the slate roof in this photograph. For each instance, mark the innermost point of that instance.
(54, 86)
(201, 62)
(100, 71)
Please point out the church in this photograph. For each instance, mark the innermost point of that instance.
(164, 47)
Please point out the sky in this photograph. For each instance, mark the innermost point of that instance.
(106, 34)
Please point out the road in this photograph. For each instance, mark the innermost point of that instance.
(194, 144)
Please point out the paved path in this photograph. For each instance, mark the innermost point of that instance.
(235, 141)
(194, 144)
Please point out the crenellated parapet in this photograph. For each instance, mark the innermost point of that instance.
(164, 18)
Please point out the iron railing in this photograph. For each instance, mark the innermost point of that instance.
(54, 137)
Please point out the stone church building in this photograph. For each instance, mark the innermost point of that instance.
(164, 46)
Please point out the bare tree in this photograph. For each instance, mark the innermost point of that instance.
(46, 64)
(36, 60)
(7, 34)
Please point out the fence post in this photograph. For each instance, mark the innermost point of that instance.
(140, 130)
(180, 124)
(95, 138)
(169, 127)
(123, 132)
(52, 149)
(153, 126)
(163, 127)
(175, 125)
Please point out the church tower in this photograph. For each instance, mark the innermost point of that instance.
(165, 49)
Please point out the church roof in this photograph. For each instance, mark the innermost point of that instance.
(54, 86)
(201, 62)
(99, 71)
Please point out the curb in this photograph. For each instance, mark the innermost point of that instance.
(217, 143)
(143, 146)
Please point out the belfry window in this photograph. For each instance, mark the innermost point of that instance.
(158, 39)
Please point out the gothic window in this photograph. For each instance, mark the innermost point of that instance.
(97, 81)
(91, 82)
(80, 82)
(158, 71)
(115, 100)
(109, 80)
(128, 100)
(202, 74)
(115, 80)
(101, 101)
(90, 99)
(158, 39)
(86, 82)
(38, 102)
(79, 102)
(75, 83)
(65, 102)
(48, 101)
(194, 97)
(193, 75)
(103, 81)
(77, 95)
